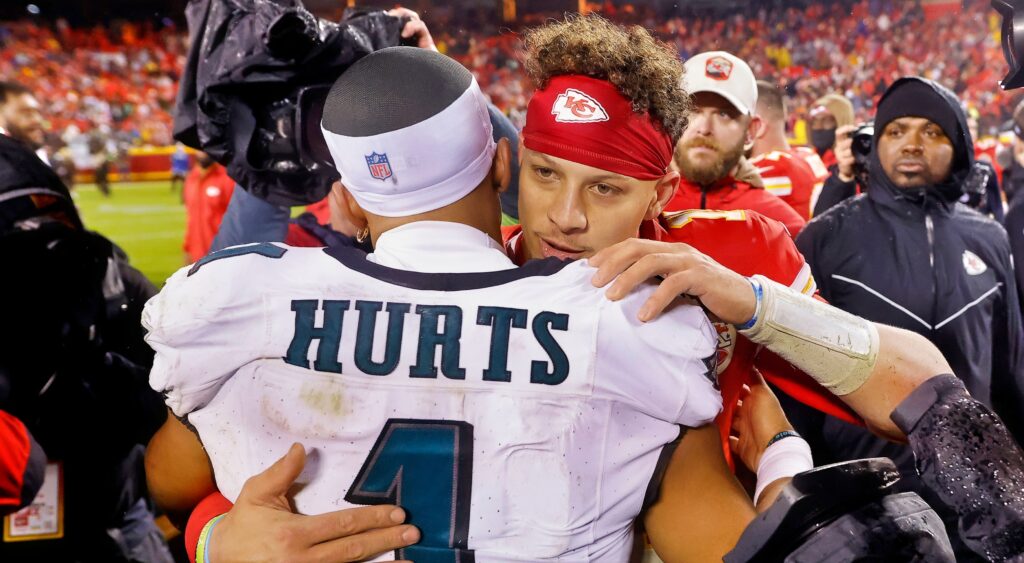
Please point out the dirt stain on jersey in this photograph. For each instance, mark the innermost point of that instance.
(325, 397)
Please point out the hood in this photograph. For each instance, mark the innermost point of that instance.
(919, 97)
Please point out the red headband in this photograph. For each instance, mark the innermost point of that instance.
(588, 121)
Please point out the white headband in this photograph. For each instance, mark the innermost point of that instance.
(422, 167)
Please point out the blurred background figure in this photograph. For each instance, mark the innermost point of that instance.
(21, 118)
(207, 192)
(179, 168)
(829, 113)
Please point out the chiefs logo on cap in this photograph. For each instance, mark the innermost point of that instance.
(718, 68)
(573, 106)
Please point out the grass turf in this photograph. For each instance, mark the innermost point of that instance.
(146, 219)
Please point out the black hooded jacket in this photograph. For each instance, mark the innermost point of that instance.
(919, 260)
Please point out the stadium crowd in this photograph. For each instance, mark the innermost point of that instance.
(856, 302)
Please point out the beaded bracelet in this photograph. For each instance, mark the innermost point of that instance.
(779, 436)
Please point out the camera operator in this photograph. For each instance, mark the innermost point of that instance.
(73, 370)
(908, 254)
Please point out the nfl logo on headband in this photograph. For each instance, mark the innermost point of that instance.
(573, 106)
(379, 166)
(718, 68)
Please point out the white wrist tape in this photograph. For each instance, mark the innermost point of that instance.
(784, 458)
(836, 348)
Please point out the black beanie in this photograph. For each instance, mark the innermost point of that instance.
(917, 97)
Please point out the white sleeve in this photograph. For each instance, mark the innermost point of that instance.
(668, 365)
(204, 327)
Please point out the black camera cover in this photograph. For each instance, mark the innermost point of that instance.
(253, 87)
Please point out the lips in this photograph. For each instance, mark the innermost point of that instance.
(910, 166)
(561, 251)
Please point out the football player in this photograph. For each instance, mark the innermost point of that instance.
(785, 174)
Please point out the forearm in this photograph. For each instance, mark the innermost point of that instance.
(701, 509)
(905, 361)
(869, 367)
(770, 493)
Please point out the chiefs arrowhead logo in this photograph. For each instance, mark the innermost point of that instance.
(726, 344)
(573, 106)
(718, 68)
(973, 265)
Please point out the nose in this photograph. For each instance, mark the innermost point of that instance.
(568, 212)
(700, 123)
(913, 145)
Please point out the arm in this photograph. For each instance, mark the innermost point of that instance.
(178, 471)
(903, 361)
(701, 510)
(840, 184)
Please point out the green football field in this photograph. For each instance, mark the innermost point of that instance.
(145, 218)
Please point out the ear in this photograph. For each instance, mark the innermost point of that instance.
(350, 206)
(501, 167)
(663, 190)
(755, 130)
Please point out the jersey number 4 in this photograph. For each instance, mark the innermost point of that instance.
(426, 467)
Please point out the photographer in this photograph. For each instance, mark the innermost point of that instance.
(842, 182)
(908, 255)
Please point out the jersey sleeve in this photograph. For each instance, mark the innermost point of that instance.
(667, 366)
(207, 322)
(775, 174)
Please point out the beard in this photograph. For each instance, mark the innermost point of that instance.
(707, 173)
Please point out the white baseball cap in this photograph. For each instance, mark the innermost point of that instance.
(724, 74)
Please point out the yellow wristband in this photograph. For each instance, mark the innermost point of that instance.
(202, 547)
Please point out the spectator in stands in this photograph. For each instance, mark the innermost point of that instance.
(907, 254)
(207, 193)
(710, 152)
(784, 174)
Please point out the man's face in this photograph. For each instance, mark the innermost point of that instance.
(570, 210)
(713, 141)
(915, 152)
(23, 120)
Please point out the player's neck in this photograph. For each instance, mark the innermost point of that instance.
(478, 209)
(773, 140)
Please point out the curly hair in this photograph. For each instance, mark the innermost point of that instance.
(645, 70)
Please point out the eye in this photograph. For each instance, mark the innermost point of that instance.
(893, 132)
(605, 189)
(543, 172)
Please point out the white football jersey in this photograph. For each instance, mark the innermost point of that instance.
(517, 415)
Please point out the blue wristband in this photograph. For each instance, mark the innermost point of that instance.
(780, 436)
(759, 294)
